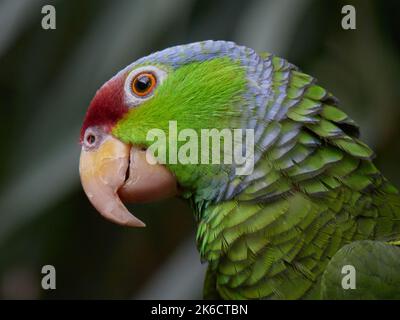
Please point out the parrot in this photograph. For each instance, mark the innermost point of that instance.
(314, 219)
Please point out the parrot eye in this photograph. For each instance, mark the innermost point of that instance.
(143, 84)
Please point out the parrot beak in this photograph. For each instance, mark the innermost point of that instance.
(115, 170)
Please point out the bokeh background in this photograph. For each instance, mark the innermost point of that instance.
(48, 77)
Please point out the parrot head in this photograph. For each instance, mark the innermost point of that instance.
(312, 187)
(199, 85)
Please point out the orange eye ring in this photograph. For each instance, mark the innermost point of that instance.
(143, 84)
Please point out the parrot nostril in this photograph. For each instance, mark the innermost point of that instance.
(91, 139)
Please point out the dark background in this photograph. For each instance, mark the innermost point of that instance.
(48, 77)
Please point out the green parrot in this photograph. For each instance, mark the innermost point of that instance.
(313, 219)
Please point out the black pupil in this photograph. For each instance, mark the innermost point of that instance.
(91, 139)
(142, 83)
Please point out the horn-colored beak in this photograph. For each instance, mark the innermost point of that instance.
(116, 169)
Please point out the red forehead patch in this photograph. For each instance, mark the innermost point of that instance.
(107, 106)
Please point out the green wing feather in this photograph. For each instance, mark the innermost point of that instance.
(313, 191)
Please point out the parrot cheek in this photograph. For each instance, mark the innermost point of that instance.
(104, 171)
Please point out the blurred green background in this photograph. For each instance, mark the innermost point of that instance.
(48, 77)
